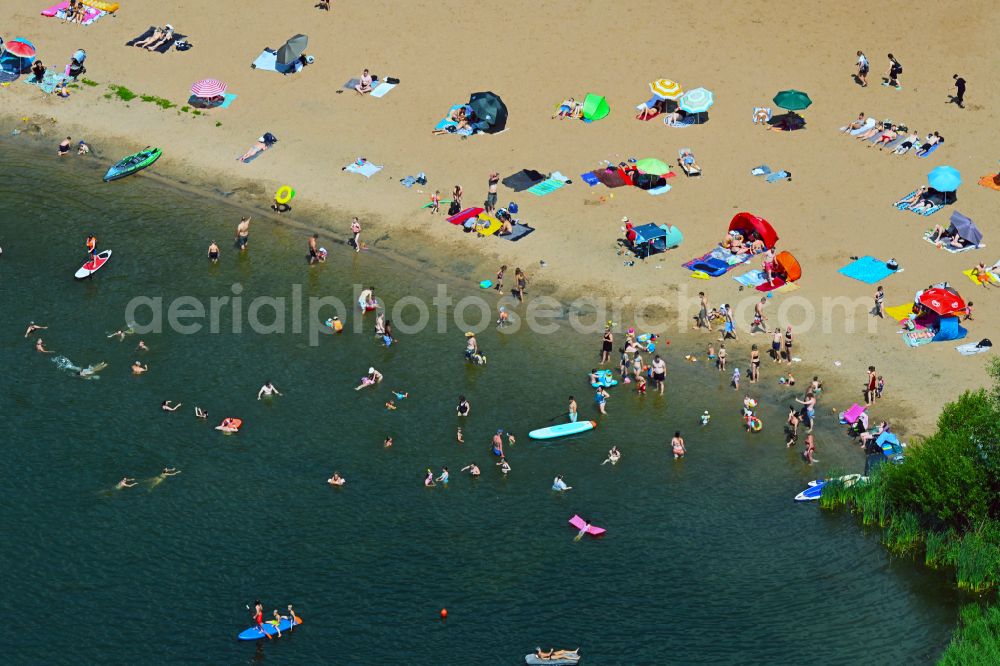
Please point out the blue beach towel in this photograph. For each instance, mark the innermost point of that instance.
(751, 278)
(229, 97)
(775, 177)
(931, 149)
(761, 170)
(547, 186)
(867, 269)
(662, 189)
(589, 178)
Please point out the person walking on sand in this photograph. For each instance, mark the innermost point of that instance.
(870, 385)
(809, 407)
(959, 97)
(243, 233)
(456, 196)
(702, 319)
(436, 202)
(788, 344)
(491, 193)
(863, 68)
(356, 232)
(895, 69)
(572, 409)
(499, 281)
(879, 301)
(759, 320)
(677, 444)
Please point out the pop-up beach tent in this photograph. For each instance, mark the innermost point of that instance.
(747, 222)
(595, 107)
(651, 238)
(788, 266)
(949, 329)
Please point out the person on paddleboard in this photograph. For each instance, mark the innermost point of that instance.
(258, 615)
(92, 247)
(276, 620)
(267, 390)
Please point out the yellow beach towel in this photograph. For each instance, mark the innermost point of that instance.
(900, 312)
(487, 225)
(971, 274)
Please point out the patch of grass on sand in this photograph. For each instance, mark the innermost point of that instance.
(159, 101)
(218, 124)
(185, 109)
(88, 82)
(122, 93)
(196, 112)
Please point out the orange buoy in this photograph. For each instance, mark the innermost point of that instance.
(444, 613)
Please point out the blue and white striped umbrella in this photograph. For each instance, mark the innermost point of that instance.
(698, 100)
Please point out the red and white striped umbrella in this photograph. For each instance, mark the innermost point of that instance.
(208, 88)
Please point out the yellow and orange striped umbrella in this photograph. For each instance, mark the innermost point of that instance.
(666, 89)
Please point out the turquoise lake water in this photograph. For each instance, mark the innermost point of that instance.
(706, 561)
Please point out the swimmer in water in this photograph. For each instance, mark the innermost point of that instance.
(373, 377)
(472, 469)
(705, 418)
(510, 440)
(336, 480)
(463, 407)
(139, 368)
(32, 327)
(267, 390)
(614, 455)
(200, 413)
(387, 444)
(458, 436)
(443, 478)
(141, 346)
(390, 405)
(504, 466)
(429, 479)
(498, 444)
(90, 372)
(120, 334)
(559, 484)
(213, 253)
(169, 471)
(400, 396)
(167, 407)
(677, 444)
(40, 347)
(126, 483)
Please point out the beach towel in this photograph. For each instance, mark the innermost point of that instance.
(382, 88)
(776, 282)
(991, 181)
(852, 414)
(778, 176)
(523, 180)
(486, 225)
(463, 216)
(367, 169)
(946, 245)
(917, 337)
(787, 287)
(229, 98)
(761, 170)
(59, 11)
(751, 278)
(589, 178)
(899, 312)
(930, 150)
(49, 82)
(547, 186)
(869, 124)
(519, 232)
(662, 189)
(610, 177)
(443, 203)
(687, 121)
(164, 47)
(973, 348)
(971, 274)
(867, 269)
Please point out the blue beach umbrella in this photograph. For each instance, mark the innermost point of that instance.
(698, 100)
(944, 179)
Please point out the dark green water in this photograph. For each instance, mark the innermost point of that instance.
(706, 561)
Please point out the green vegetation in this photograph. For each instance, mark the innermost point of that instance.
(975, 642)
(159, 101)
(945, 499)
(122, 93)
(218, 124)
(185, 108)
(88, 82)
(196, 112)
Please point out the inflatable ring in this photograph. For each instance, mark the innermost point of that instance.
(284, 194)
(756, 424)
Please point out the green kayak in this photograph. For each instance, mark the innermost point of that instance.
(133, 163)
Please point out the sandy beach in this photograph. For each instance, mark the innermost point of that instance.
(837, 205)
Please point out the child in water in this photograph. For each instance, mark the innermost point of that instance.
(736, 379)
(705, 418)
(640, 385)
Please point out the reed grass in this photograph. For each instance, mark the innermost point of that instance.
(977, 639)
(940, 548)
(902, 534)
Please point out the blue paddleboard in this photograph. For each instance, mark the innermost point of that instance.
(811, 493)
(562, 430)
(253, 633)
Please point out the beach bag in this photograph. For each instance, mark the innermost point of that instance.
(985, 342)
(512, 208)
(454, 208)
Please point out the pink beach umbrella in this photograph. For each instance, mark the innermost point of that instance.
(21, 48)
(208, 88)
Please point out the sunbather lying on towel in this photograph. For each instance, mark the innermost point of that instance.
(940, 235)
(688, 163)
(457, 116)
(646, 111)
(857, 124)
(888, 135)
(676, 117)
(932, 139)
(157, 39)
(570, 108)
(911, 140)
(906, 202)
(879, 127)
(925, 202)
(263, 143)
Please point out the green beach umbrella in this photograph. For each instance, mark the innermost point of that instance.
(653, 166)
(792, 100)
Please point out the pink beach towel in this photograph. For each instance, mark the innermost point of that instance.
(854, 413)
(88, 16)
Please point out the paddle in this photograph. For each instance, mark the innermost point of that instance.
(558, 416)
(259, 627)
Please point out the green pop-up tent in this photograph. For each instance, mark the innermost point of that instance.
(595, 107)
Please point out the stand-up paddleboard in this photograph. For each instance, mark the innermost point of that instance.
(93, 265)
(535, 660)
(562, 430)
(579, 523)
(232, 426)
(815, 488)
(253, 633)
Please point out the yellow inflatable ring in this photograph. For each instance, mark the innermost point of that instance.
(284, 194)
(756, 424)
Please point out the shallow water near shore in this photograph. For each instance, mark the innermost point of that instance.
(706, 560)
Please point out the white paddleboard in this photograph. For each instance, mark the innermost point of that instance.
(93, 265)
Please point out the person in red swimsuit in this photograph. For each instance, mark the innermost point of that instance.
(258, 615)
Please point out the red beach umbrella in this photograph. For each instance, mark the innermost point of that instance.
(942, 301)
(208, 88)
(21, 48)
